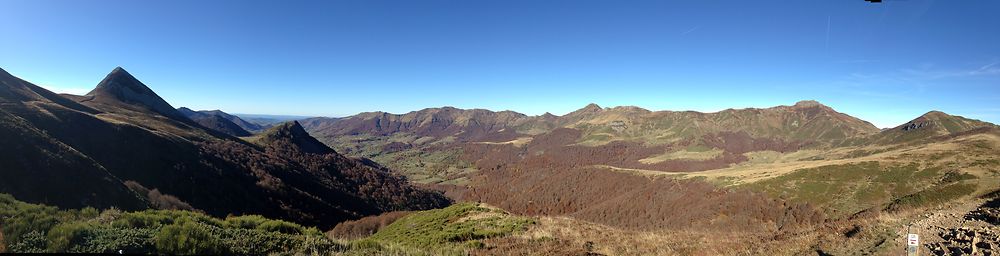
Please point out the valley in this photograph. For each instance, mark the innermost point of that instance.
(787, 180)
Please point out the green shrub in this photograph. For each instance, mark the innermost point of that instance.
(89, 213)
(954, 176)
(143, 219)
(281, 227)
(64, 235)
(111, 240)
(245, 221)
(31, 228)
(18, 218)
(31, 242)
(185, 236)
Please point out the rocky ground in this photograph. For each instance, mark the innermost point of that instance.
(967, 229)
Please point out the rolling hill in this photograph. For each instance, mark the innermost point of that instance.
(658, 140)
(760, 172)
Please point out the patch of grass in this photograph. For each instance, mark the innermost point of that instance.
(842, 190)
(451, 230)
(932, 197)
(954, 176)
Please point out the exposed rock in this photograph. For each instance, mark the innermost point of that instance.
(988, 212)
(913, 126)
(618, 126)
(966, 241)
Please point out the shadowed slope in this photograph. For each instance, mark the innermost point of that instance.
(292, 133)
(39, 168)
(243, 124)
(222, 125)
(132, 139)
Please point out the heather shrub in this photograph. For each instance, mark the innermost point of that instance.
(39, 228)
(281, 226)
(186, 236)
(245, 221)
(62, 236)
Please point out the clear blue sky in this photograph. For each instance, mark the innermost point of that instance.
(885, 63)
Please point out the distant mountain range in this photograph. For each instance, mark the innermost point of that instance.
(76, 151)
(725, 135)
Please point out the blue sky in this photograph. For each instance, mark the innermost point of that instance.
(886, 63)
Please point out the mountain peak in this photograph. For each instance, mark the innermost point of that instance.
(808, 103)
(292, 134)
(942, 123)
(934, 114)
(120, 86)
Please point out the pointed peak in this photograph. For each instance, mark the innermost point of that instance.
(120, 73)
(592, 106)
(292, 126)
(121, 88)
(288, 129)
(292, 134)
(589, 109)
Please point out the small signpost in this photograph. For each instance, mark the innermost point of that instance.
(912, 244)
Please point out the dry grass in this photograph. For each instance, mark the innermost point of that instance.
(683, 155)
(940, 153)
(519, 142)
(565, 236)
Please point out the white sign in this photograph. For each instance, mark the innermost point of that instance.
(913, 240)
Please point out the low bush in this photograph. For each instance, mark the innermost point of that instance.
(186, 236)
(30, 228)
(281, 226)
(64, 235)
(245, 221)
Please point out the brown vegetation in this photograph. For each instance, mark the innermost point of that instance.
(3, 244)
(158, 200)
(556, 150)
(635, 202)
(354, 229)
